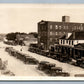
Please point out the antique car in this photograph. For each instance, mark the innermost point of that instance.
(65, 74)
(41, 65)
(30, 60)
(44, 52)
(55, 70)
(46, 66)
(80, 62)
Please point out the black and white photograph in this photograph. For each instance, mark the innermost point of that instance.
(42, 40)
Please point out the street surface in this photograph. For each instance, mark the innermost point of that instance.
(17, 66)
(21, 69)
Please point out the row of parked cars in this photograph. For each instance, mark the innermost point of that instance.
(51, 69)
(48, 68)
(23, 57)
(61, 53)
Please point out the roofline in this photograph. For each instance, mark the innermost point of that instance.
(61, 22)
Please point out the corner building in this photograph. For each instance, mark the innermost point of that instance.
(49, 32)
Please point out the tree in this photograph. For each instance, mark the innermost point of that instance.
(11, 36)
(35, 34)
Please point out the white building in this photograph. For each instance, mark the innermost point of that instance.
(72, 39)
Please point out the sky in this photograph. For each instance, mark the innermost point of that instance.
(41, 1)
(24, 17)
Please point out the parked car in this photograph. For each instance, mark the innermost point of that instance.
(55, 70)
(42, 65)
(30, 60)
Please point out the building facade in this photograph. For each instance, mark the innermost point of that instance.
(72, 39)
(49, 32)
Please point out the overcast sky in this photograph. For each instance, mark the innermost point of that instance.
(24, 17)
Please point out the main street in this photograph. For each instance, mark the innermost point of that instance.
(21, 69)
(16, 66)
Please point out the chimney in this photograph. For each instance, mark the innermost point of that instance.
(65, 19)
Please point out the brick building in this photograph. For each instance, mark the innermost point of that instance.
(49, 32)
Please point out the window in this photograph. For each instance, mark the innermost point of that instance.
(74, 27)
(69, 42)
(63, 41)
(64, 27)
(56, 26)
(51, 33)
(81, 27)
(50, 26)
(42, 27)
(59, 27)
(67, 27)
(56, 33)
(59, 33)
(64, 32)
(77, 27)
(66, 41)
(44, 33)
(72, 42)
(51, 39)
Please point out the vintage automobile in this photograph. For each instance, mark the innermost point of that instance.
(65, 74)
(46, 66)
(80, 62)
(41, 65)
(30, 60)
(45, 52)
(55, 70)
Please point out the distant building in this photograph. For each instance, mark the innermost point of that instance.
(72, 39)
(49, 32)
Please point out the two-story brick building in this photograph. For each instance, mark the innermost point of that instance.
(49, 32)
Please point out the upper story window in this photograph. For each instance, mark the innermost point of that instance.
(74, 27)
(67, 27)
(64, 32)
(60, 27)
(51, 39)
(64, 27)
(81, 27)
(41, 27)
(77, 27)
(50, 26)
(60, 33)
(51, 33)
(45, 33)
(56, 33)
(56, 26)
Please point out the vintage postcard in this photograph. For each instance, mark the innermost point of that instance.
(42, 41)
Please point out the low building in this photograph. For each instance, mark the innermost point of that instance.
(72, 39)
